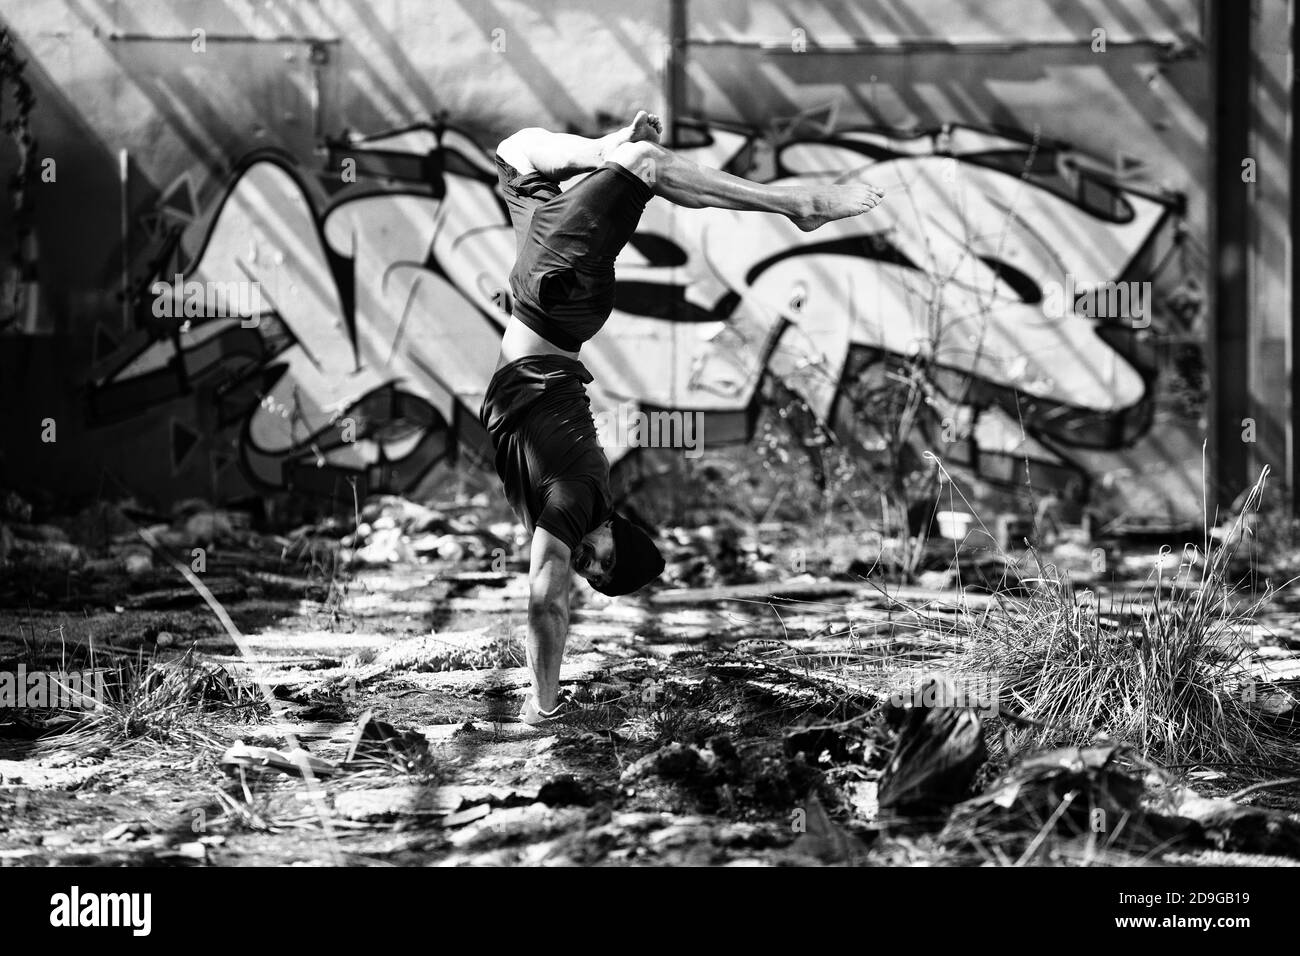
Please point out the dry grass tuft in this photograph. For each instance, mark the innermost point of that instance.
(1166, 674)
(168, 701)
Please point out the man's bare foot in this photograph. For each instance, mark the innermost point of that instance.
(645, 127)
(828, 203)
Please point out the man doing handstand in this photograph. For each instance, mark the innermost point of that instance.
(536, 409)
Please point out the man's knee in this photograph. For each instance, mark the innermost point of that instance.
(515, 149)
(643, 160)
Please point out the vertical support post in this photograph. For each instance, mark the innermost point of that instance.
(124, 177)
(1230, 221)
(1293, 221)
(675, 69)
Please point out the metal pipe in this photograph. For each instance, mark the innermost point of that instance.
(216, 38)
(915, 44)
(123, 177)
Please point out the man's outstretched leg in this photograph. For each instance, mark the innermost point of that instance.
(681, 181)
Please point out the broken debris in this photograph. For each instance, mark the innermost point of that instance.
(298, 763)
(939, 750)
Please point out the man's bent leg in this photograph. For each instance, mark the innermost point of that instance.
(559, 156)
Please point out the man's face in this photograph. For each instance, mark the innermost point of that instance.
(593, 558)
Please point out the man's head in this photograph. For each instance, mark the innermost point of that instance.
(617, 557)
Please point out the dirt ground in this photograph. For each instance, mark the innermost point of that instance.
(710, 729)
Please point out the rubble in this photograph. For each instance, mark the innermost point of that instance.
(378, 740)
(520, 825)
(822, 840)
(298, 763)
(938, 752)
(730, 713)
(99, 554)
(393, 529)
(222, 589)
(1226, 825)
(492, 646)
(455, 806)
(1067, 786)
(676, 761)
(45, 554)
(565, 790)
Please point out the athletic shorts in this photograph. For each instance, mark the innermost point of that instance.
(547, 455)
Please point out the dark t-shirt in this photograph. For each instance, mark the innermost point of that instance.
(523, 195)
(547, 454)
(562, 283)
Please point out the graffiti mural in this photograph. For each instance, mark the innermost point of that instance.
(380, 277)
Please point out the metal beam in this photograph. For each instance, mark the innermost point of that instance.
(1230, 236)
(675, 72)
(1293, 403)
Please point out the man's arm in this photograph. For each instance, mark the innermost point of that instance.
(549, 579)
